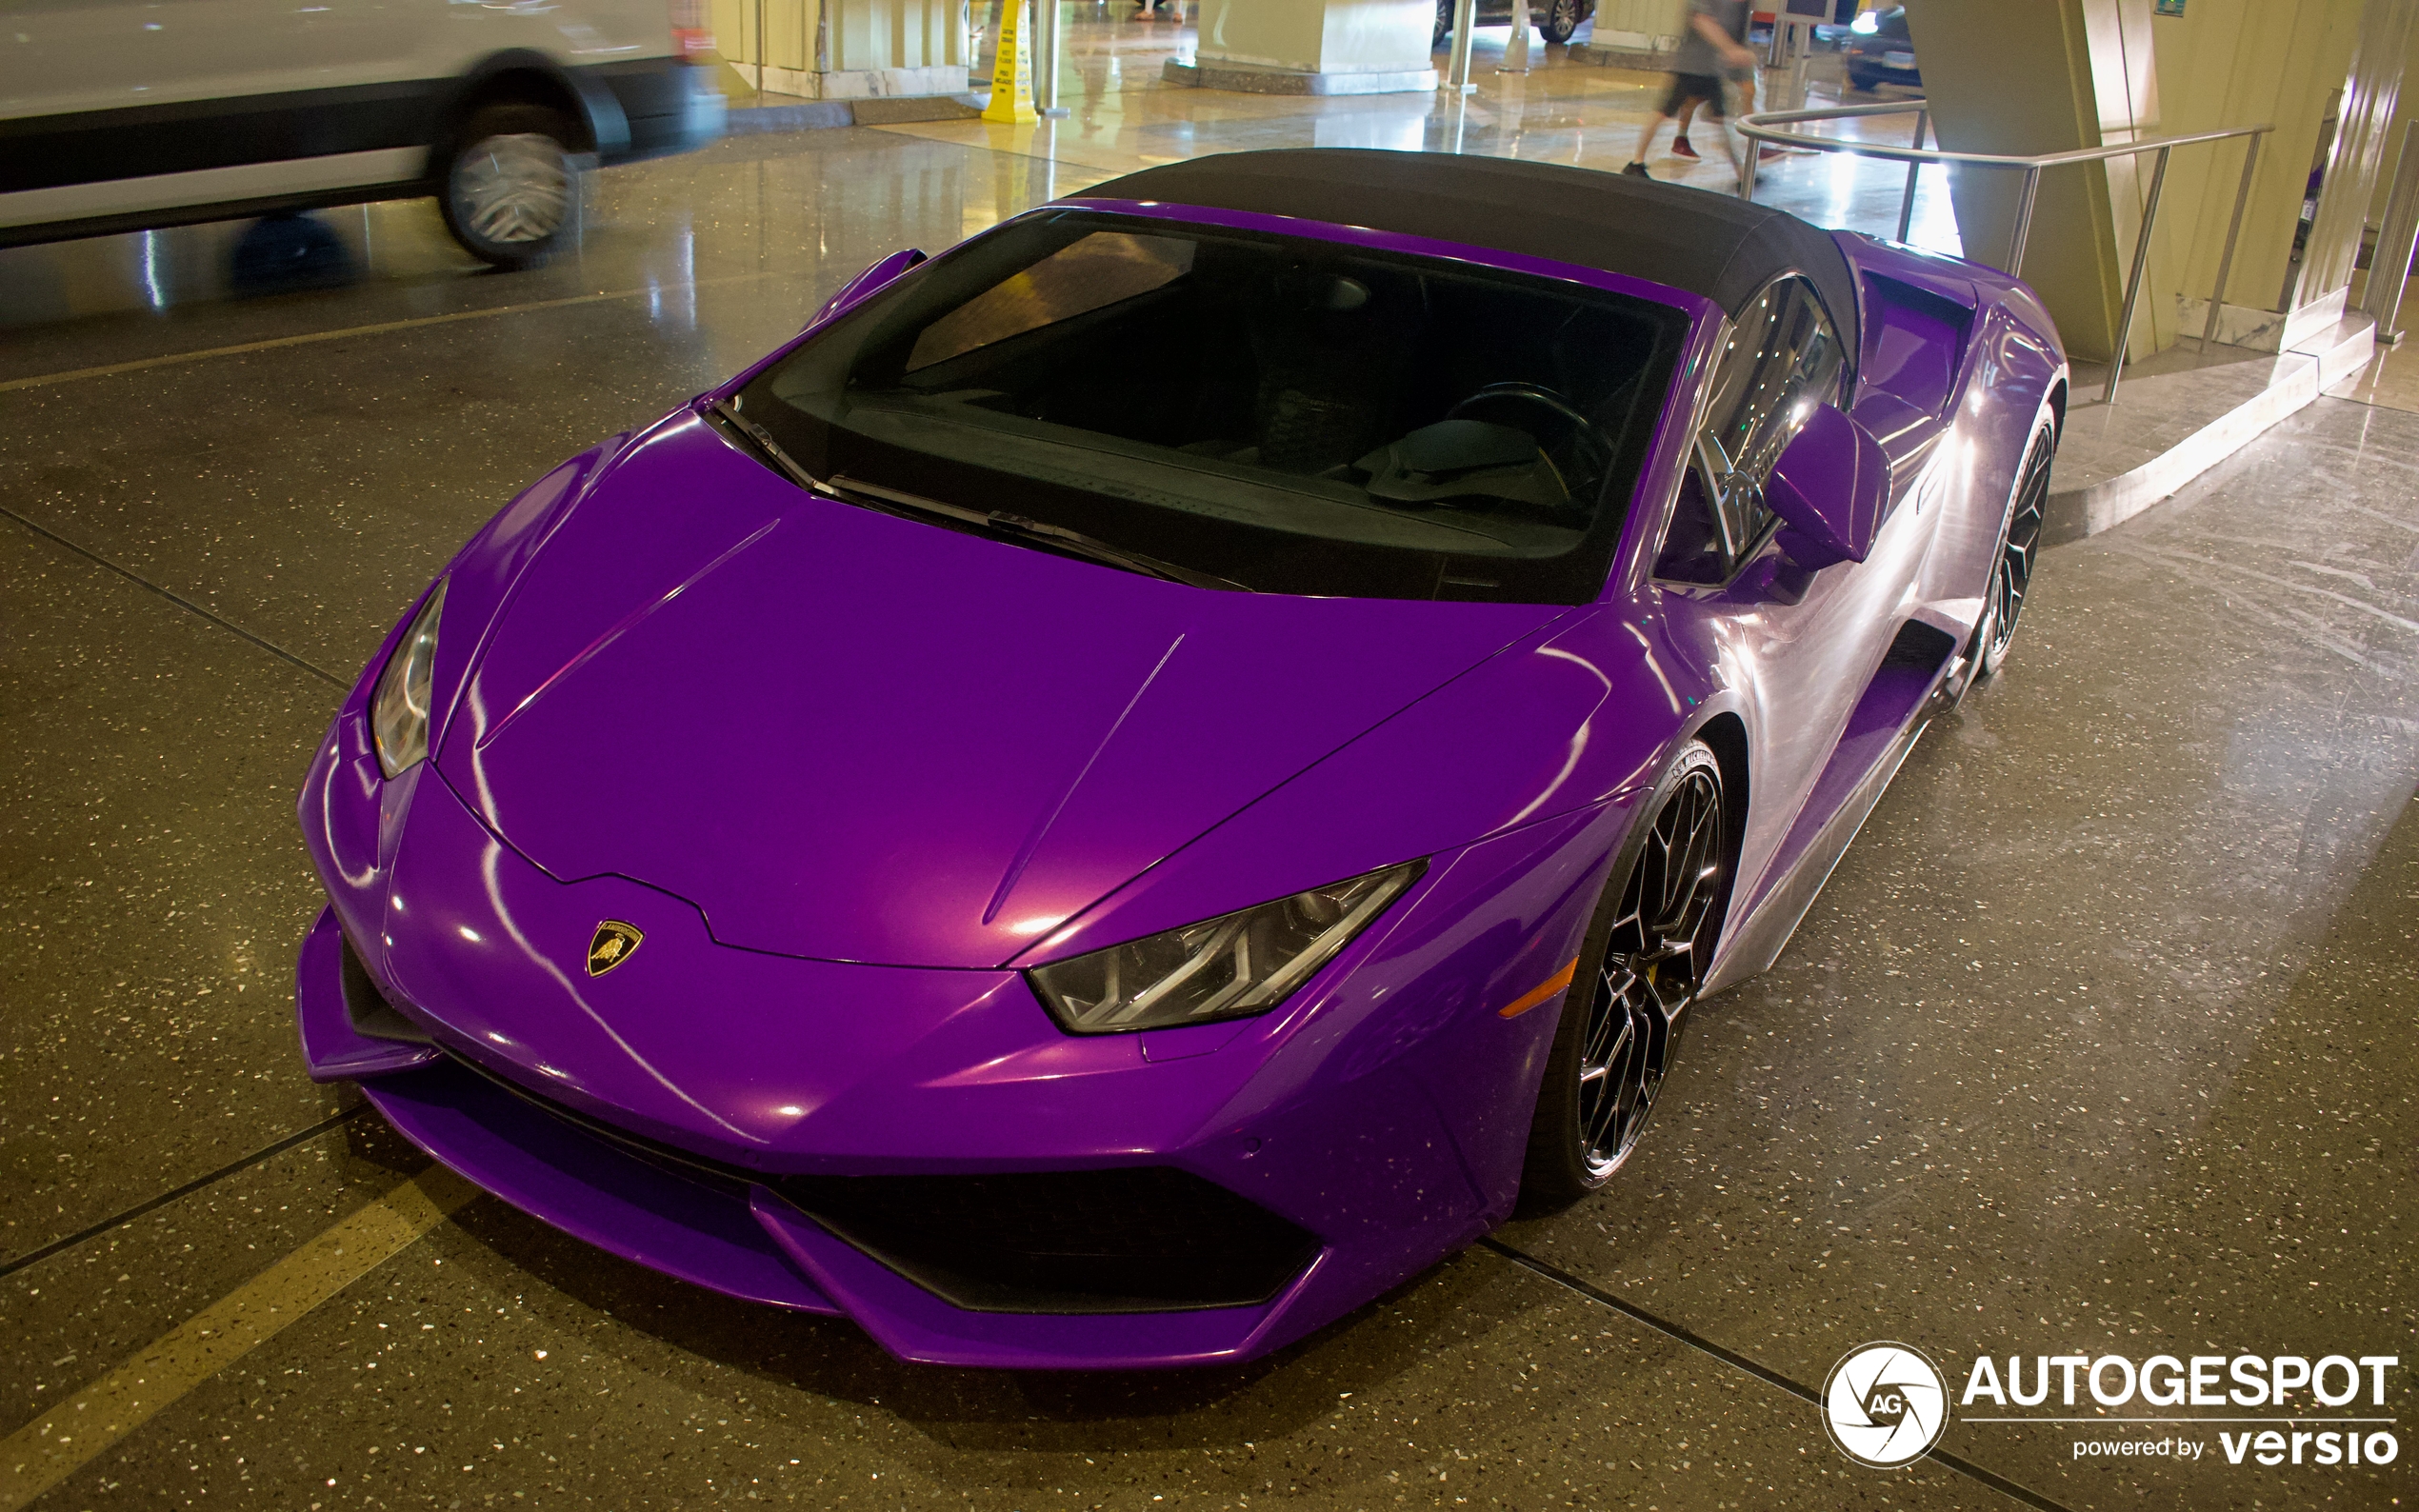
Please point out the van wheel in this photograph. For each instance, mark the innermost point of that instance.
(508, 184)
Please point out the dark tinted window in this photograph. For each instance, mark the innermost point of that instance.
(1784, 358)
(1295, 415)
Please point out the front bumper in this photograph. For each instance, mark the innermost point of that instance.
(719, 1228)
(695, 1140)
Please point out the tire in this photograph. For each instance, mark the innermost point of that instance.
(1558, 19)
(1639, 970)
(1861, 81)
(1443, 25)
(2019, 553)
(508, 183)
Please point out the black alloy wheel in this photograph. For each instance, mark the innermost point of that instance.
(1641, 967)
(1444, 24)
(2019, 550)
(1558, 19)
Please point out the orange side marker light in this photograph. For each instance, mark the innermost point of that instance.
(1541, 992)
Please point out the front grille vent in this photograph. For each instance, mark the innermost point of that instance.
(371, 1016)
(1137, 1239)
(1133, 1240)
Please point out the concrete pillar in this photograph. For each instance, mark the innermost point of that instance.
(2048, 76)
(1650, 28)
(1311, 46)
(2356, 153)
(846, 49)
(2327, 73)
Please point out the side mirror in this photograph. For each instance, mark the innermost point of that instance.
(866, 283)
(1829, 488)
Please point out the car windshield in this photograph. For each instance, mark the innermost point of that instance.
(1289, 414)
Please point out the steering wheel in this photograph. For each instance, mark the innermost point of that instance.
(1591, 446)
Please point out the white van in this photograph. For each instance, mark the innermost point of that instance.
(119, 115)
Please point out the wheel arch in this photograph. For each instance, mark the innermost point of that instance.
(526, 76)
(1725, 734)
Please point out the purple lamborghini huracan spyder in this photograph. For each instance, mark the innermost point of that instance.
(1149, 777)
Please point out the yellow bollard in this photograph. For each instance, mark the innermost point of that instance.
(1013, 75)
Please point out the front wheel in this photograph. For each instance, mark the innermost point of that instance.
(508, 185)
(1640, 968)
(2019, 550)
(1560, 18)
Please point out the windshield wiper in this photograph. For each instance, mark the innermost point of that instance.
(1057, 535)
(910, 506)
(761, 442)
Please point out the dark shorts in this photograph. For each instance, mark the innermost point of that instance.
(1703, 87)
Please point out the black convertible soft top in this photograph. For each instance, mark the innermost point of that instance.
(1708, 244)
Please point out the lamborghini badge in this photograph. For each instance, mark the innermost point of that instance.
(613, 943)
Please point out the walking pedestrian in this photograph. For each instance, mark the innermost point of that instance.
(1713, 45)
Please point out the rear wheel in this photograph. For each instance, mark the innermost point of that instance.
(507, 186)
(1639, 970)
(2019, 549)
(1558, 19)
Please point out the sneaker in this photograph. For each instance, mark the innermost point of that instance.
(1680, 147)
(1636, 170)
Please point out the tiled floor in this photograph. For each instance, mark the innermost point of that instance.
(2098, 1042)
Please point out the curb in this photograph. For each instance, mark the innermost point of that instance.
(817, 115)
(2299, 378)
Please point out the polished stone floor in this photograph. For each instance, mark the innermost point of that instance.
(2098, 1042)
(2393, 378)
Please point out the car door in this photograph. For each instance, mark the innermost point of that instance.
(1798, 646)
(112, 55)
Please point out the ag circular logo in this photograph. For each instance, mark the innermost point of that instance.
(1885, 1404)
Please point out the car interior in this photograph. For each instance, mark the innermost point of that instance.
(1305, 386)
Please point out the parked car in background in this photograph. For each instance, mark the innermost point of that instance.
(1881, 51)
(1556, 19)
(120, 115)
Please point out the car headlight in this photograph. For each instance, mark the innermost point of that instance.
(1227, 968)
(1867, 23)
(399, 708)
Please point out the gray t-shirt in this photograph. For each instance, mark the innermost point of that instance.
(1696, 55)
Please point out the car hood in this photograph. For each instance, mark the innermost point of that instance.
(852, 737)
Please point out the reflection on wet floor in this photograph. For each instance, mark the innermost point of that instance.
(2098, 1041)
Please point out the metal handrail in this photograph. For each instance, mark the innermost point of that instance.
(1764, 127)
